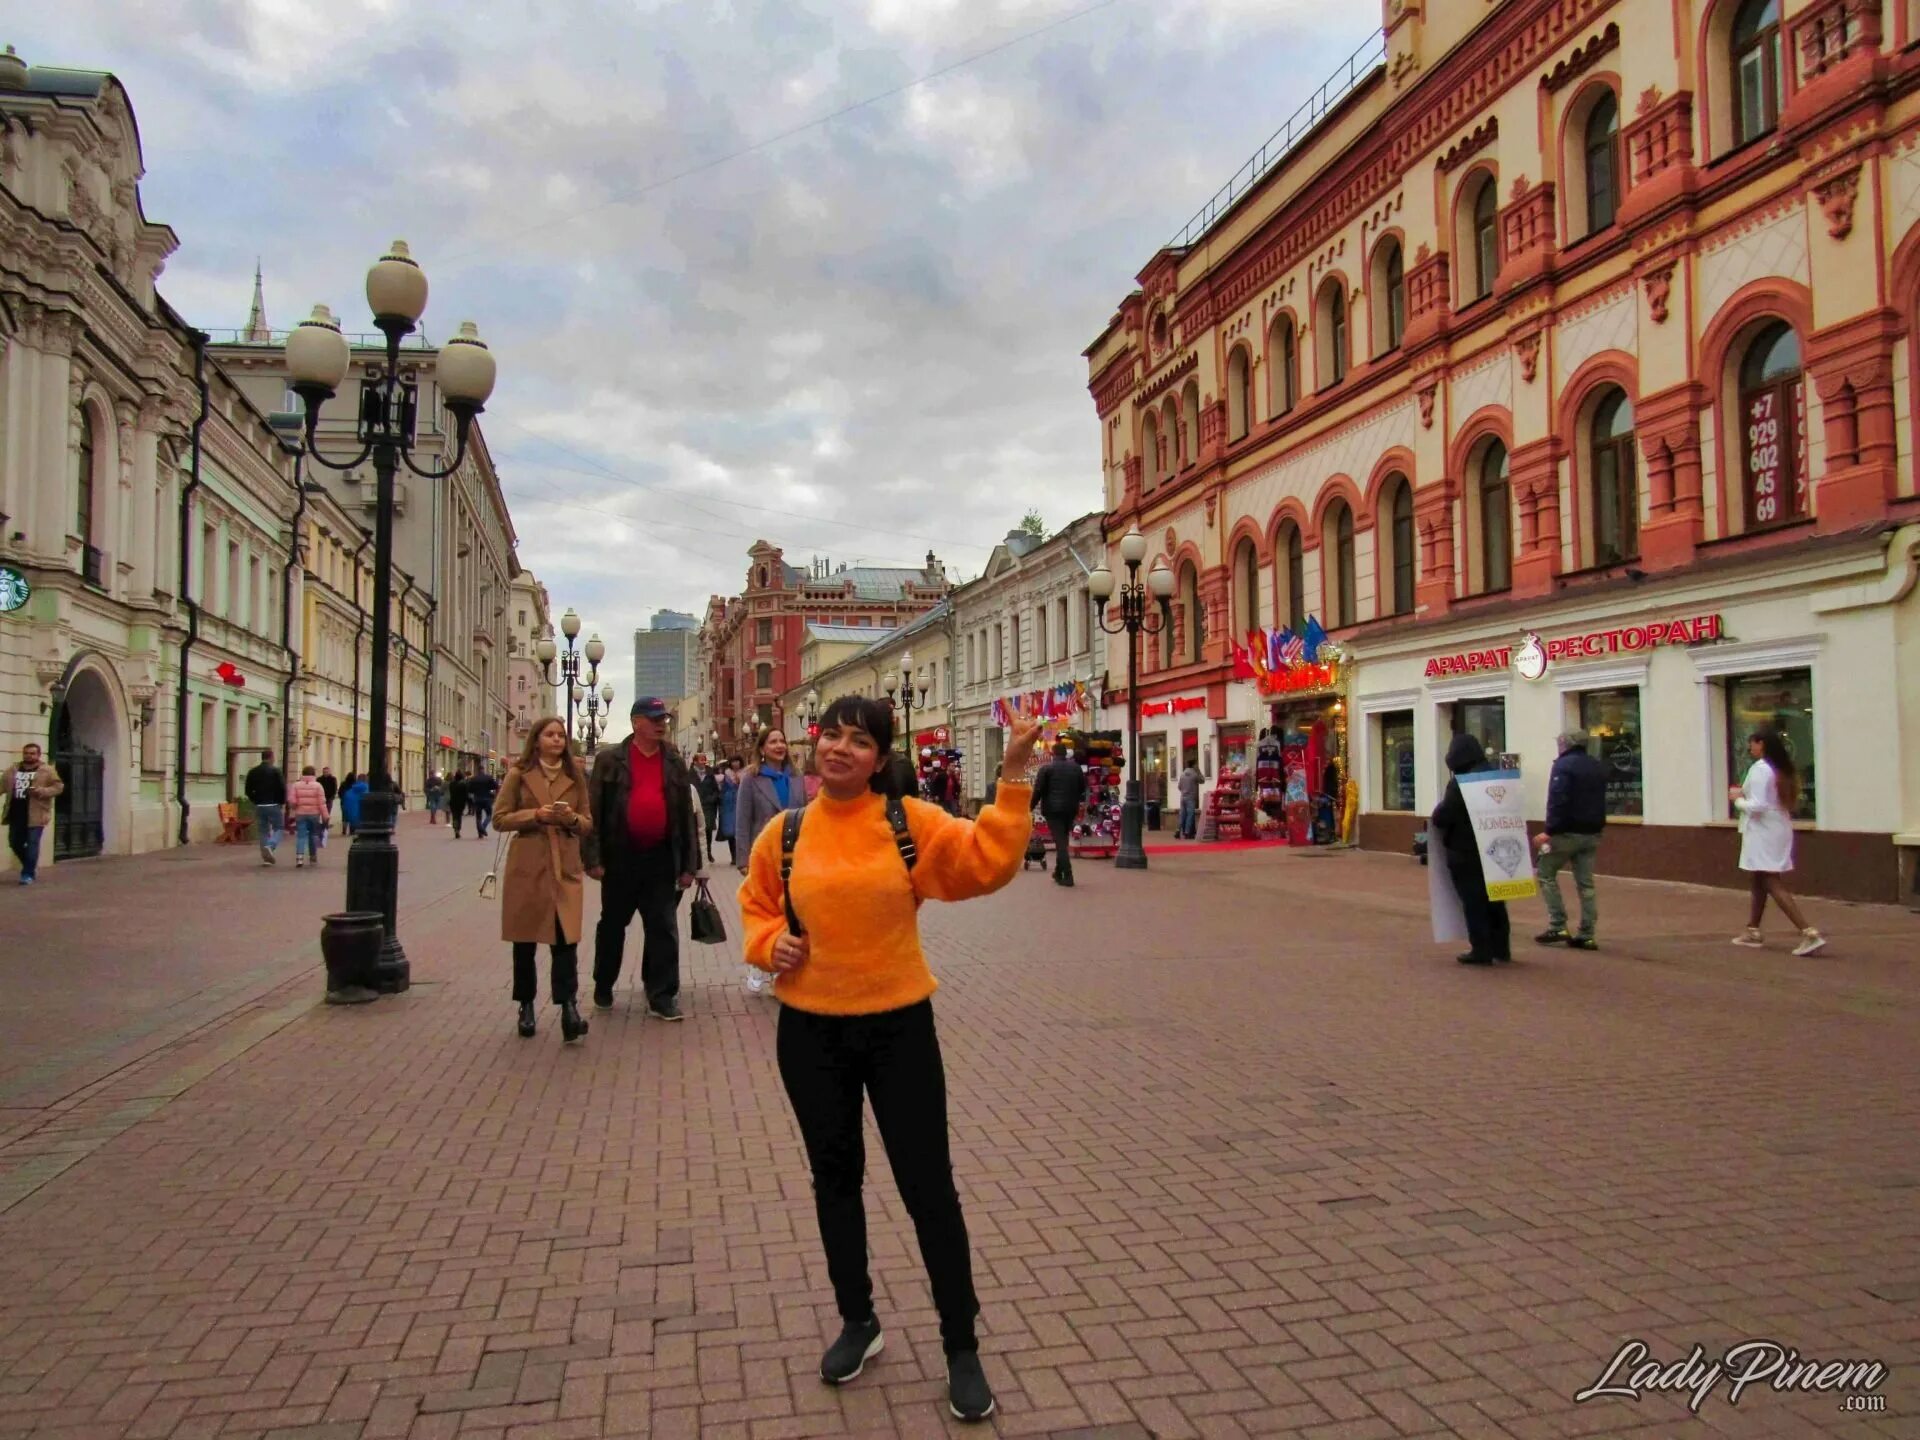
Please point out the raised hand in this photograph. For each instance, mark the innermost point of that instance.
(1022, 735)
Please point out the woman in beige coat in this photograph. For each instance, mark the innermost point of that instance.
(544, 806)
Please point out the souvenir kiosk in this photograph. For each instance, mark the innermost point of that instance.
(1299, 777)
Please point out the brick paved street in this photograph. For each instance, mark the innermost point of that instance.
(1242, 1154)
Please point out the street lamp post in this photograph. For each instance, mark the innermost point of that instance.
(1134, 620)
(567, 673)
(905, 684)
(591, 726)
(318, 358)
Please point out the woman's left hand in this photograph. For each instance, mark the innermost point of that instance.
(1734, 792)
(1020, 742)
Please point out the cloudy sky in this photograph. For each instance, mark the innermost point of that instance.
(814, 271)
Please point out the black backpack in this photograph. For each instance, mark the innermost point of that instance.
(790, 836)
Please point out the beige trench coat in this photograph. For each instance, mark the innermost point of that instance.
(542, 876)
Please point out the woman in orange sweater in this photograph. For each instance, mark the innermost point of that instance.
(841, 936)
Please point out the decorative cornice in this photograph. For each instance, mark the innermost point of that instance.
(1582, 59)
(1469, 144)
(1154, 388)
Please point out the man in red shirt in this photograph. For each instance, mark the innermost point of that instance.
(645, 851)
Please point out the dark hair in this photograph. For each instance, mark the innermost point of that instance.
(1059, 749)
(1786, 779)
(530, 756)
(306, 769)
(876, 718)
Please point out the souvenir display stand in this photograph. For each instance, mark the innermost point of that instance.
(1228, 814)
(1096, 829)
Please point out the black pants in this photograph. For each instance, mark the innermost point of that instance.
(564, 982)
(1061, 828)
(456, 810)
(827, 1061)
(713, 823)
(647, 885)
(1487, 928)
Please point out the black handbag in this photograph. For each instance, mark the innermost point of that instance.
(708, 928)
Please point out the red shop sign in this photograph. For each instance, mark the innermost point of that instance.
(1590, 645)
(1185, 705)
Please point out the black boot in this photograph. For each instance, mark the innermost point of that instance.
(572, 1024)
(526, 1019)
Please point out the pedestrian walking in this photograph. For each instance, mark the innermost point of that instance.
(729, 802)
(826, 912)
(353, 792)
(307, 809)
(1058, 791)
(646, 854)
(1576, 818)
(1488, 928)
(481, 790)
(266, 787)
(436, 792)
(30, 788)
(772, 787)
(544, 805)
(1188, 783)
(332, 786)
(457, 798)
(1765, 802)
(707, 783)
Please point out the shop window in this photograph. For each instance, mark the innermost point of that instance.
(1337, 544)
(1396, 761)
(1493, 496)
(1486, 721)
(1388, 291)
(1602, 156)
(1616, 492)
(1612, 718)
(1395, 526)
(1246, 587)
(1773, 414)
(1239, 393)
(1757, 79)
(1283, 375)
(1781, 700)
(1291, 555)
(1333, 333)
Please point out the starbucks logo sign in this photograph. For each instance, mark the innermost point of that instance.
(1530, 660)
(14, 589)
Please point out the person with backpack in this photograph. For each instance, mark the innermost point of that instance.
(830, 907)
(1058, 791)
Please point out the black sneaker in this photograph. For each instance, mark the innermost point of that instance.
(848, 1355)
(969, 1396)
(1555, 936)
(1583, 942)
(603, 997)
(665, 1010)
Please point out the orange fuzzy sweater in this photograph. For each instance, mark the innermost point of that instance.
(859, 905)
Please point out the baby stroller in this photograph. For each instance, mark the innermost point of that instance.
(1036, 850)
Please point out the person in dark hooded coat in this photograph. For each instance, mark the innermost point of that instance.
(1487, 926)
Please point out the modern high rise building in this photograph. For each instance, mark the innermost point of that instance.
(663, 656)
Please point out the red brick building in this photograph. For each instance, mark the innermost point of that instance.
(750, 643)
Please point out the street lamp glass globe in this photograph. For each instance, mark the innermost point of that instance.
(397, 286)
(920, 678)
(1160, 581)
(1133, 546)
(465, 369)
(570, 623)
(544, 649)
(596, 650)
(579, 693)
(317, 353)
(606, 692)
(1100, 584)
(893, 685)
(813, 698)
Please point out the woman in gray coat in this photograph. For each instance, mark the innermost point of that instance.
(773, 785)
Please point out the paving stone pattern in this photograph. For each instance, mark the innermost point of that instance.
(1242, 1154)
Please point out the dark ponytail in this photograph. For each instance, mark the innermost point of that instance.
(1786, 779)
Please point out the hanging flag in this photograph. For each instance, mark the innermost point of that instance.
(1315, 638)
(1292, 648)
(1243, 662)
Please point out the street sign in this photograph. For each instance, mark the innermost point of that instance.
(14, 589)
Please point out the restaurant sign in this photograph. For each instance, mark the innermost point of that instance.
(1534, 656)
(1185, 705)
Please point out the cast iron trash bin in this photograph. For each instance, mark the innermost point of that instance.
(350, 941)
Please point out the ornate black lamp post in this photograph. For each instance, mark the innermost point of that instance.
(1134, 619)
(905, 685)
(318, 358)
(592, 727)
(568, 672)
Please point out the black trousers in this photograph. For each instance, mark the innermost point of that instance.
(564, 982)
(1487, 929)
(456, 809)
(1061, 828)
(647, 885)
(827, 1062)
(713, 823)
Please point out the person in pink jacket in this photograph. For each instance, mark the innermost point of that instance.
(307, 808)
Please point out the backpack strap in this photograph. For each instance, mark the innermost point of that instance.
(902, 836)
(789, 837)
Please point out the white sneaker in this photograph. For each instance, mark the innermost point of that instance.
(1749, 939)
(756, 981)
(1812, 942)
(298, 863)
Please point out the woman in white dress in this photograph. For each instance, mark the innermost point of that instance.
(1766, 802)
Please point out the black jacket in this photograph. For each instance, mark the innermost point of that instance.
(608, 787)
(1059, 788)
(457, 789)
(480, 792)
(709, 786)
(332, 786)
(1577, 795)
(266, 785)
(1451, 825)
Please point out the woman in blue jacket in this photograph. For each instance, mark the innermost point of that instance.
(351, 795)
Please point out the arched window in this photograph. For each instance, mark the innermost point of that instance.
(1149, 450)
(1397, 513)
(1389, 297)
(1190, 420)
(84, 481)
(1496, 519)
(1292, 548)
(1758, 84)
(1246, 587)
(1170, 432)
(1239, 394)
(1603, 162)
(1337, 545)
(1166, 634)
(1196, 635)
(1282, 375)
(1486, 238)
(1333, 333)
(1616, 493)
(1772, 427)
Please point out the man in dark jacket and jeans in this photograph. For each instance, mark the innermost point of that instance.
(1057, 792)
(1488, 930)
(1576, 816)
(267, 788)
(645, 851)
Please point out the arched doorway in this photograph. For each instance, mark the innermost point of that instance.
(86, 752)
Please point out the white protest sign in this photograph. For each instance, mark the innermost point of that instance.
(1449, 919)
(1496, 805)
